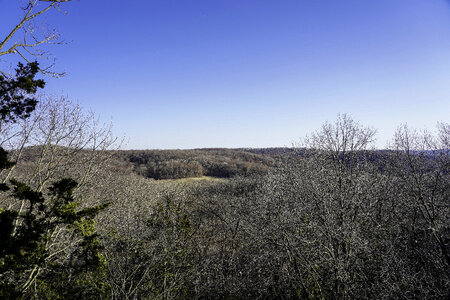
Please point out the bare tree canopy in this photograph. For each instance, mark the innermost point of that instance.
(26, 39)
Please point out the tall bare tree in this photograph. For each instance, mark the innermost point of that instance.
(424, 159)
(60, 139)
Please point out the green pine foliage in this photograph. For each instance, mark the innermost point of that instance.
(17, 94)
(28, 267)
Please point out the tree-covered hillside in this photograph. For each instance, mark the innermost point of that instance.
(173, 164)
(334, 219)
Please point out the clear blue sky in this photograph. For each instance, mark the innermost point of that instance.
(252, 73)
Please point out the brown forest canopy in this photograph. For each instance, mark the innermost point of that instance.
(172, 164)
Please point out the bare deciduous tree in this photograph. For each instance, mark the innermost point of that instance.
(424, 158)
(59, 139)
(26, 38)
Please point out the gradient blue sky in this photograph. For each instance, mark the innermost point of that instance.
(251, 73)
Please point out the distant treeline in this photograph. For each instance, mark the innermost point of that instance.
(174, 164)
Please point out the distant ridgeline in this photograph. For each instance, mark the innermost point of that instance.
(224, 163)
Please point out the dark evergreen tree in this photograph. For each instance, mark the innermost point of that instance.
(17, 95)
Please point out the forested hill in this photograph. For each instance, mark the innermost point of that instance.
(222, 162)
(212, 162)
(217, 162)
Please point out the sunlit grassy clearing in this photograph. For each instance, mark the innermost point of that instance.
(194, 179)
